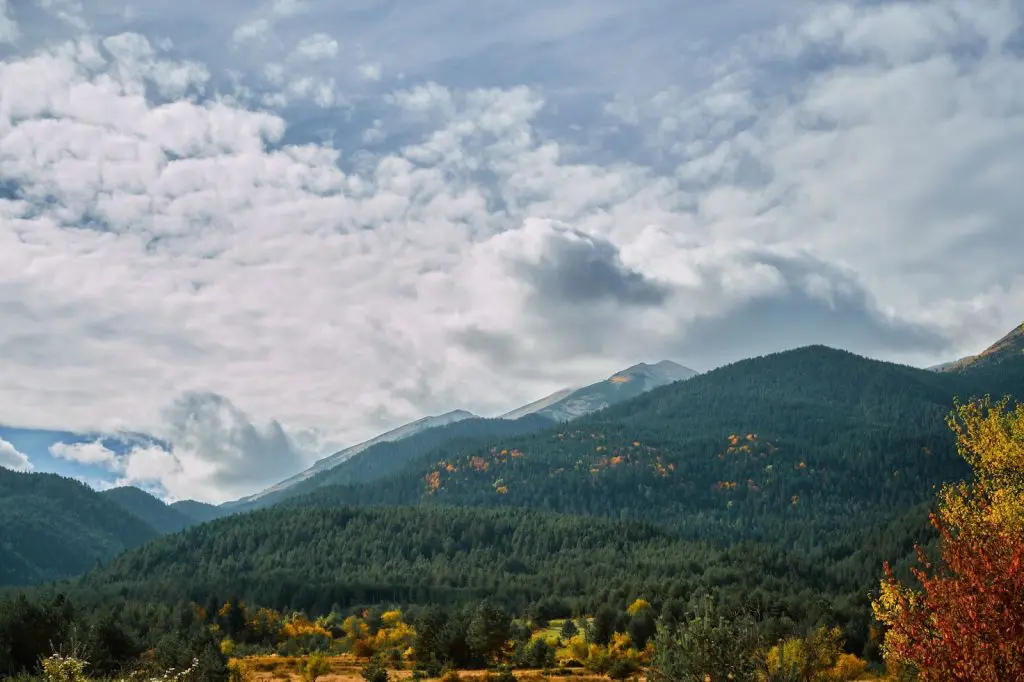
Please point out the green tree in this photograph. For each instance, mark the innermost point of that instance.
(488, 631)
(706, 647)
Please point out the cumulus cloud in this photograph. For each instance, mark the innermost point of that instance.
(521, 213)
(209, 450)
(10, 458)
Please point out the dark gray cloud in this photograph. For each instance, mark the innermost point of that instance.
(843, 315)
(575, 268)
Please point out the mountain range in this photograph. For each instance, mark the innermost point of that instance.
(773, 450)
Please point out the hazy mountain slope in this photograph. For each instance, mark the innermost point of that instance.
(538, 405)
(53, 527)
(999, 368)
(788, 447)
(621, 386)
(1007, 349)
(337, 458)
(387, 458)
(198, 512)
(148, 508)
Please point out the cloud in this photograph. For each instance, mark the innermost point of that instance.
(566, 267)
(10, 458)
(317, 46)
(86, 453)
(257, 30)
(458, 207)
(209, 450)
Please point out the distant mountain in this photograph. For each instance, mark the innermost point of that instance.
(161, 517)
(1008, 348)
(337, 458)
(199, 512)
(1000, 367)
(571, 404)
(53, 527)
(538, 405)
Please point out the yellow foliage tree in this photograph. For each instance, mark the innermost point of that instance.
(637, 606)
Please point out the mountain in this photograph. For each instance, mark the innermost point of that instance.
(774, 449)
(569, 404)
(388, 453)
(389, 457)
(53, 527)
(160, 516)
(198, 512)
(337, 458)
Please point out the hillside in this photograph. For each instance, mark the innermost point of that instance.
(53, 527)
(159, 516)
(777, 448)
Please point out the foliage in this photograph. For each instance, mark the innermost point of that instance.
(814, 658)
(966, 621)
(53, 527)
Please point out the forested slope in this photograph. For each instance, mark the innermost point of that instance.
(53, 527)
(801, 448)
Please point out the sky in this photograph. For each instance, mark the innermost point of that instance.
(237, 236)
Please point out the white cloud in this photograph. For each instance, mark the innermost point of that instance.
(257, 30)
(812, 179)
(94, 452)
(317, 46)
(10, 458)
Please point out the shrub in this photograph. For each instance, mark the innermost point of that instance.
(375, 672)
(316, 666)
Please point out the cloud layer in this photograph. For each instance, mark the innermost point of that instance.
(287, 230)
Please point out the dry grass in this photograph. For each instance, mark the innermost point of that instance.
(348, 668)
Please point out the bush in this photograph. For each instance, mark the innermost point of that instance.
(316, 666)
(375, 672)
(622, 668)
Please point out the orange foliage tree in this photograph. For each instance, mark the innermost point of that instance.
(966, 621)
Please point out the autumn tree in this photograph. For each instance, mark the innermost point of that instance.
(966, 621)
